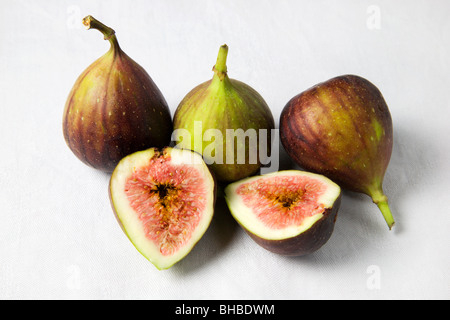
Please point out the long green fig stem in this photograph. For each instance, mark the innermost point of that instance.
(380, 199)
(220, 67)
(108, 33)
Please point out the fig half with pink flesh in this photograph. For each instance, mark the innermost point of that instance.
(164, 202)
(287, 212)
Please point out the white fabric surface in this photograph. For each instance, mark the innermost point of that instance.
(58, 236)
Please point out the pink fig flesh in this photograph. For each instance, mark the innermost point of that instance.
(164, 201)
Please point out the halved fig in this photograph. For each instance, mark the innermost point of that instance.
(287, 212)
(164, 202)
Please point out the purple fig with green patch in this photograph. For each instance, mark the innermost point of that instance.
(342, 128)
(114, 108)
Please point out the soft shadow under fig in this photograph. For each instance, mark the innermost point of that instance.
(215, 241)
(356, 226)
(411, 165)
(359, 221)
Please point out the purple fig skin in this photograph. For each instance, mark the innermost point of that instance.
(342, 128)
(114, 109)
(308, 241)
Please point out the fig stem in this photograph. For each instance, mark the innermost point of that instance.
(220, 67)
(380, 199)
(387, 214)
(108, 33)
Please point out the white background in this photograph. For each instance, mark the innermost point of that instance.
(58, 235)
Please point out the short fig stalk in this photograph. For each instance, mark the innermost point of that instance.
(381, 200)
(109, 34)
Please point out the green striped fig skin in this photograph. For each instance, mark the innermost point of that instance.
(341, 128)
(243, 105)
(223, 103)
(113, 110)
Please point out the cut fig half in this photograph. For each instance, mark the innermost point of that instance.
(287, 212)
(164, 202)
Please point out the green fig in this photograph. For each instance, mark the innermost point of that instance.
(114, 108)
(228, 122)
(342, 128)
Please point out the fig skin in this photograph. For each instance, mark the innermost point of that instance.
(342, 128)
(114, 108)
(306, 242)
(223, 103)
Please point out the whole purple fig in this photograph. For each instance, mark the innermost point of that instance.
(114, 108)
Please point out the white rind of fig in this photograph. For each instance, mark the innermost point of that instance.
(132, 222)
(290, 236)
